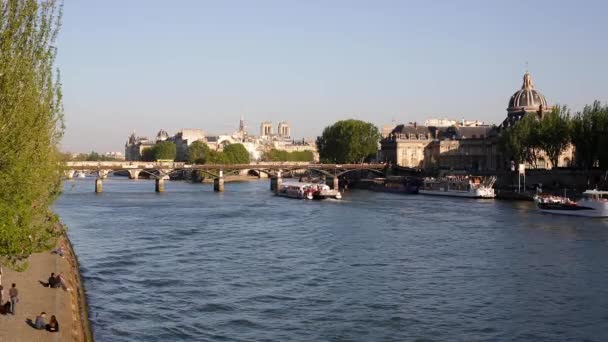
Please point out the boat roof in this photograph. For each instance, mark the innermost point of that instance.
(296, 184)
(595, 192)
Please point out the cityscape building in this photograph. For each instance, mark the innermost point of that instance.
(464, 144)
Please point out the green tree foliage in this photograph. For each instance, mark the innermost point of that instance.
(236, 154)
(275, 155)
(589, 134)
(521, 142)
(554, 133)
(164, 150)
(31, 125)
(93, 156)
(348, 141)
(147, 154)
(198, 152)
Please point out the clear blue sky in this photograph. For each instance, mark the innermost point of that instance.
(146, 65)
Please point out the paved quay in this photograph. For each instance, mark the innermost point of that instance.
(34, 298)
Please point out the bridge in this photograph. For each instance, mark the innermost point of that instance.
(162, 170)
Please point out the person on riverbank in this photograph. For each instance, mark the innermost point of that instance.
(40, 324)
(58, 250)
(53, 325)
(14, 294)
(53, 281)
(61, 282)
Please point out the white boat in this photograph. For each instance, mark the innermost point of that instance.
(307, 191)
(459, 186)
(593, 204)
(80, 174)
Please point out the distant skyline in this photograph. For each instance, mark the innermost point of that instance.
(147, 65)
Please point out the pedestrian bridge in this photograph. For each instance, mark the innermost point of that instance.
(161, 170)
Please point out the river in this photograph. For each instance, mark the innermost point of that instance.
(193, 265)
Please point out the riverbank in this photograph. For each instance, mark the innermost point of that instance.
(69, 306)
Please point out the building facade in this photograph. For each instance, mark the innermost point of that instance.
(464, 144)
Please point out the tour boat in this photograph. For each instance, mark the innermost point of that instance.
(80, 174)
(593, 204)
(307, 191)
(459, 186)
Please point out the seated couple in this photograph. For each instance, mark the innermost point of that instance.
(55, 281)
(53, 325)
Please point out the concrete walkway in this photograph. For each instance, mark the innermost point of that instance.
(35, 298)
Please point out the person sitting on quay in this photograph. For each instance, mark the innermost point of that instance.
(53, 325)
(40, 324)
(53, 281)
(60, 281)
(58, 250)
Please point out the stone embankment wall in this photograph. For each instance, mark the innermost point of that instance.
(555, 179)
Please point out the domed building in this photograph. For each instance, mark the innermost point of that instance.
(162, 136)
(527, 100)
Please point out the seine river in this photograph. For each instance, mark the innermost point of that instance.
(193, 265)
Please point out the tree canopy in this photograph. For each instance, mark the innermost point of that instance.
(31, 125)
(235, 154)
(275, 155)
(589, 134)
(348, 141)
(164, 150)
(587, 131)
(198, 152)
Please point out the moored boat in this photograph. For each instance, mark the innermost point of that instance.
(80, 174)
(459, 186)
(593, 204)
(396, 184)
(305, 190)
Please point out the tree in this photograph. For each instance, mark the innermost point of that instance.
(198, 152)
(274, 155)
(31, 125)
(554, 133)
(236, 154)
(348, 141)
(588, 132)
(521, 142)
(147, 154)
(164, 150)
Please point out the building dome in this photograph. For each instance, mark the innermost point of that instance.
(162, 135)
(527, 99)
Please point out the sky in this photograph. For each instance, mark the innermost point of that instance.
(146, 65)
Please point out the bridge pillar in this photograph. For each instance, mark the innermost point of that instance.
(159, 184)
(103, 174)
(98, 185)
(275, 182)
(69, 174)
(134, 174)
(336, 183)
(218, 183)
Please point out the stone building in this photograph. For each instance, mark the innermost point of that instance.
(466, 145)
(183, 139)
(135, 146)
(284, 131)
(266, 129)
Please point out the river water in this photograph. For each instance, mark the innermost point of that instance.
(193, 265)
